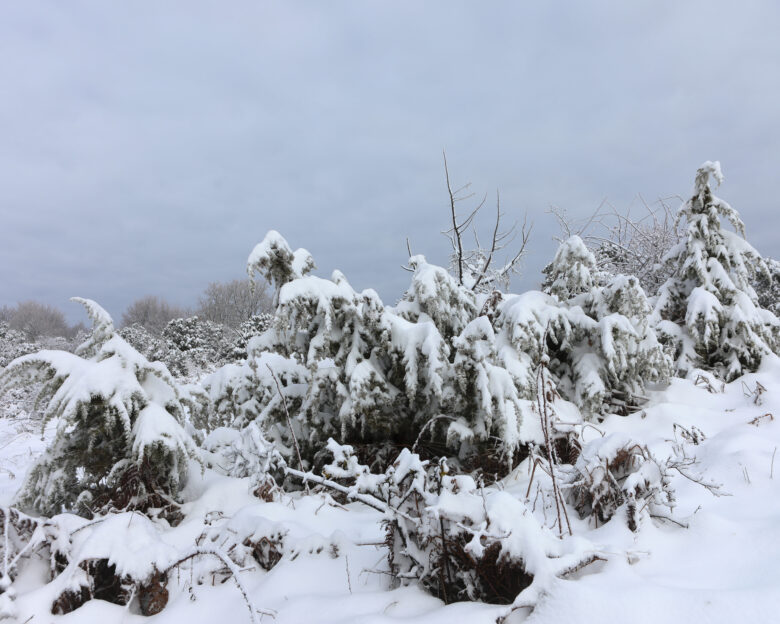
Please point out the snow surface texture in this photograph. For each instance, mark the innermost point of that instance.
(722, 568)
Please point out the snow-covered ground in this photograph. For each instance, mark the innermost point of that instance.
(718, 562)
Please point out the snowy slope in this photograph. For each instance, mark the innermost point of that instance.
(724, 567)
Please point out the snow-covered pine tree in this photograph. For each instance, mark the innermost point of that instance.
(460, 398)
(714, 319)
(572, 271)
(483, 399)
(437, 295)
(767, 287)
(632, 355)
(318, 323)
(320, 335)
(371, 376)
(120, 438)
(274, 259)
(601, 346)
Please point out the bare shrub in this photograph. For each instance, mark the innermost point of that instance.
(628, 242)
(478, 267)
(233, 303)
(152, 313)
(37, 319)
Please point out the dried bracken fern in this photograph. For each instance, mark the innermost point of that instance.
(613, 472)
(460, 541)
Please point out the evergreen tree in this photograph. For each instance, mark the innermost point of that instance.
(120, 439)
(253, 326)
(484, 397)
(352, 369)
(710, 295)
(767, 287)
(571, 272)
(437, 295)
(601, 346)
(275, 260)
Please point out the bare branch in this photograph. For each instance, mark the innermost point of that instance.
(455, 230)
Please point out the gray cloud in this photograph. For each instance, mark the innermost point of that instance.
(147, 146)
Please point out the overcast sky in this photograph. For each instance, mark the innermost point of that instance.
(147, 146)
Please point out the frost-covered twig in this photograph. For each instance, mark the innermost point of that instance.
(366, 499)
(543, 387)
(712, 488)
(234, 570)
(757, 420)
(475, 268)
(425, 426)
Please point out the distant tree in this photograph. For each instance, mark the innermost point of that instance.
(37, 319)
(233, 303)
(249, 329)
(152, 313)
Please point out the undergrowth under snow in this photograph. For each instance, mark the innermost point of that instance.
(715, 559)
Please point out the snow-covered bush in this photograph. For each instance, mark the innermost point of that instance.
(196, 345)
(142, 340)
(188, 346)
(602, 348)
(246, 453)
(378, 377)
(436, 373)
(719, 323)
(241, 393)
(613, 473)
(485, 398)
(119, 440)
(253, 326)
(460, 541)
(437, 295)
(572, 271)
(632, 354)
(191, 333)
(15, 343)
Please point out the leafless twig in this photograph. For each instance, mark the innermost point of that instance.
(475, 268)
